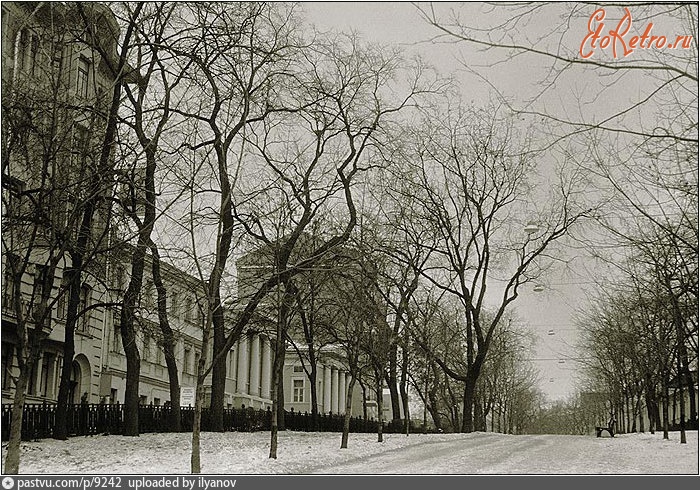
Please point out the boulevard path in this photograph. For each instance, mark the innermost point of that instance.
(300, 453)
(524, 454)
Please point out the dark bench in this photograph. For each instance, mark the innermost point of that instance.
(610, 429)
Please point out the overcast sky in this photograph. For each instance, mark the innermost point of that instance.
(550, 313)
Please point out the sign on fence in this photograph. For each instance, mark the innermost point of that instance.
(187, 396)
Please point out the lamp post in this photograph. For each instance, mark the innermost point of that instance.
(532, 227)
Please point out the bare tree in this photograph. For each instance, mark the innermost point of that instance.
(471, 179)
(643, 150)
(68, 213)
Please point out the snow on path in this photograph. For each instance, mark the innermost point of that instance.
(538, 454)
(305, 453)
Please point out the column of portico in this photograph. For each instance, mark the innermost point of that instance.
(326, 389)
(57, 376)
(334, 390)
(54, 378)
(341, 391)
(37, 378)
(255, 366)
(242, 375)
(266, 368)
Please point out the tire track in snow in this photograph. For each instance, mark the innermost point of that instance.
(460, 456)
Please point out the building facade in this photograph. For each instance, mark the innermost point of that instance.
(60, 71)
(54, 88)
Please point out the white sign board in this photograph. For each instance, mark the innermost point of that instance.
(187, 394)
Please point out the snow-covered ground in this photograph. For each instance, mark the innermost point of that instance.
(305, 453)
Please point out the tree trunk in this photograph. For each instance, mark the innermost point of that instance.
(380, 407)
(277, 370)
(479, 422)
(175, 418)
(128, 333)
(60, 430)
(218, 379)
(281, 422)
(665, 411)
(468, 405)
(133, 374)
(274, 423)
(363, 387)
(348, 413)
(433, 398)
(168, 342)
(392, 383)
(128, 314)
(404, 385)
(650, 402)
(657, 415)
(223, 247)
(313, 376)
(693, 415)
(13, 446)
(681, 401)
(195, 457)
(218, 373)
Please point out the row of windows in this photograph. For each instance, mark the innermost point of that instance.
(43, 378)
(10, 286)
(32, 55)
(152, 351)
(182, 305)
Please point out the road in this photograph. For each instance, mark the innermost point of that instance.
(487, 453)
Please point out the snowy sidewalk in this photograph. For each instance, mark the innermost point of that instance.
(304, 453)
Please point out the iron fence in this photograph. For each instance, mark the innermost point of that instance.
(85, 419)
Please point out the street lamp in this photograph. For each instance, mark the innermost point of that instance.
(531, 227)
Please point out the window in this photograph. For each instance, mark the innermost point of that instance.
(175, 305)
(146, 348)
(33, 51)
(187, 360)
(22, 49)
(83, 312)
(82, 79)
(147, 296)
(8, 353)
(56, 66)
(40, 280)
(232, 363)
(79, 147)
(298, 368)
(62, 302)
(196, 362)
(188, 309)
(118, 277)
(9, 284)
(46, 366)
(116, 334)
(298, 390)
(159, 354)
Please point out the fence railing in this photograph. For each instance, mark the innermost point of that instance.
(39, 420)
